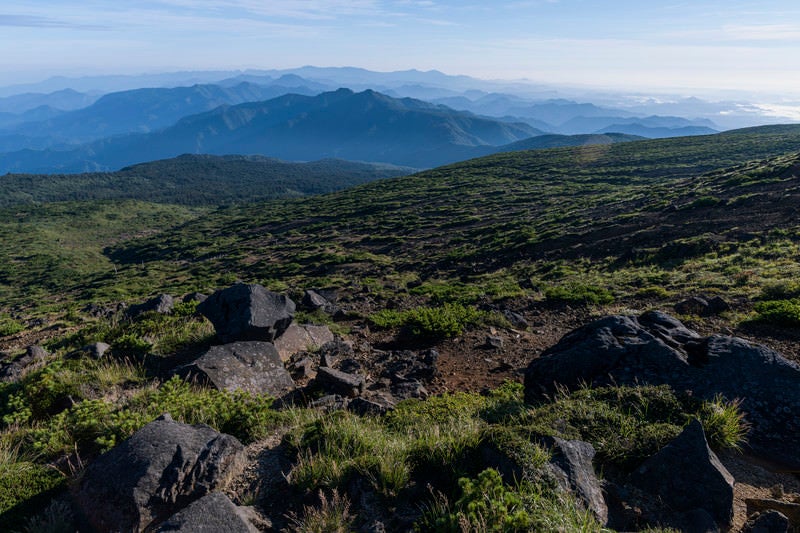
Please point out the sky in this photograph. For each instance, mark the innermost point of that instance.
(621, 44)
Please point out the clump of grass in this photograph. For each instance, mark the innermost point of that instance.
(9, 326)
(724, 424)
(331, 516)
(449, 320)
(577, 293)
(779, 312)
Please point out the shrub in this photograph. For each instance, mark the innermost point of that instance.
(779, 312)
(723, 423)
(576, 293)
(449, 320)
(9, 326)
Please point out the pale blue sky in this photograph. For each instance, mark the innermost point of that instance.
(631, 44)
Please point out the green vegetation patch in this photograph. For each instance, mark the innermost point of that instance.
(448, 320)
(779, 312)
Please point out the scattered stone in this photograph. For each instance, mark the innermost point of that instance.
(103, 311)
(252, 366)
(194, 297)
(248, 313)
(767, 522)
(320, 299)
(363, 407)
(571, 466)
(331, 352)
(697, 305)
(517, 320)
(159, 470)
(303, 368)
(693, 306)
(162, 304)
(494, 341)
(96, 349)
(13, 370)
(303, 338)
(330, 402)
(35, 353)
(214, 512)
(790, 510)
(404, 390)
(656, 349)
(335, 381)
(686, 475)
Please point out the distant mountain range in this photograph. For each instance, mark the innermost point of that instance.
(196, 180)
(365, 126)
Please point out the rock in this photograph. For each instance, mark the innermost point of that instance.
(101, 311)
(320, 299)
(515, 319)
(790, 510)
(304, 368)
(330, 353)
(656, 349)
(162, 304)
(571, 466)
(767, 522)
(159, 470)
(363, 407)
(330, 402)
(248, 313)
(493, 341)
(335, 381)
(693, 306)
(214, 512)
(13, 370)
(252, 366)
(194, 297)
(96, 349)
(699, 306)
(686, 475)
(299, 338)
(35, 353)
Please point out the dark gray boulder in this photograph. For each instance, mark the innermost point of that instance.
(571, 466)
(686, 475)
(767, 522)
(657, 349)
(96, 349)
(253, 366)
(248, 313)
(213, 513)
(320, 299)
(13, 370)
(695, 305)
(162, 304)
(159, 470)
(300, 338)
(338, 382)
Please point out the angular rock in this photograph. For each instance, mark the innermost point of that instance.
(214, 512)
(320, 299)
(362, 406)
(332, 352)
(571, 466)
(656, 349)
(494, 341)
(162, 304)
(194, 297)
(767, 522)
(686, 475)
(35, 353)
(299, 338)
(693, 306)
(162, 468)
(13, 370)
(717, 305)
(252, 366)
(248, 313)
(96, 349)
(516, 319)
(337, 382)
(789, 509)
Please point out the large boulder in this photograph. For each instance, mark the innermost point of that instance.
(253, 366)
(685, 475)
(248, 313)
(299, 338)
(159, 470)
(213, 513)
(657, 349)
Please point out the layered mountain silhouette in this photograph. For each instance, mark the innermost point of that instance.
(365, 126)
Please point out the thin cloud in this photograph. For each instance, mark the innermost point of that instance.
(34, 21)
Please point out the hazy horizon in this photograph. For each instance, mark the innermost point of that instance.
(704, 47)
